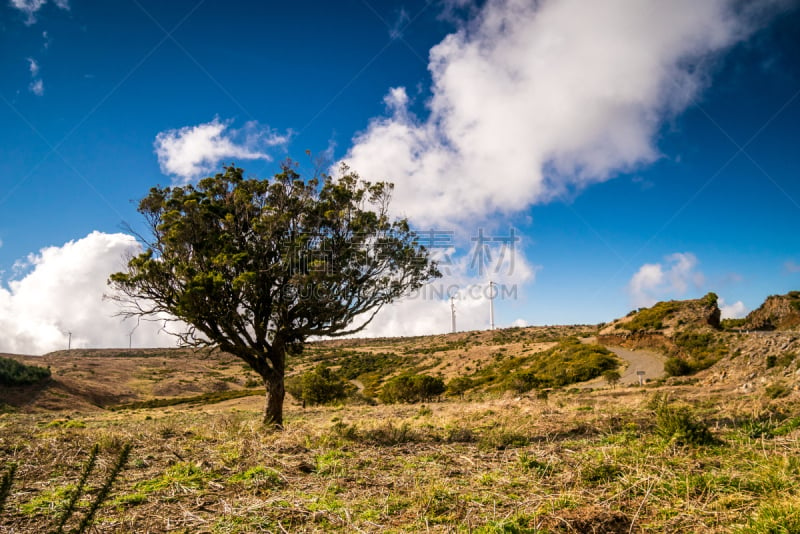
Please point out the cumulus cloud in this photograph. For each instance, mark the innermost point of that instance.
(532, 100)
(61, 291)
(657, 281)
(31, 7)
(192, 151)
(737, 310)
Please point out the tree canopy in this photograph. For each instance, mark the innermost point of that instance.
(256, 267)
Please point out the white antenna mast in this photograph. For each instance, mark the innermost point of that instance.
(491, 305)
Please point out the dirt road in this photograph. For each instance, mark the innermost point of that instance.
(650, 362)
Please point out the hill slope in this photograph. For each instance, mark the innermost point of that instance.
(687, 333)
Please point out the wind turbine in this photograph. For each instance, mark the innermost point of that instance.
(491, 305)
(453, 314)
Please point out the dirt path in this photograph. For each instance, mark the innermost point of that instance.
(650, 362)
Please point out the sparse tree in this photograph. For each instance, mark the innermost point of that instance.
(612, 377)
(256, 267)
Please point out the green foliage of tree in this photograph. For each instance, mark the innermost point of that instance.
(256, 267)
(612, 377)
(14, 373)
(319, 386)
(411, 388)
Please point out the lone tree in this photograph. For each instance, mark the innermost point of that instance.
(256, 267)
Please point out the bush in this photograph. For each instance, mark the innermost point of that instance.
(732, 324)
(411, 388)
(14, 373)
(676, 366)
(678, 425)
(698, 350)
(320, 386)
(568, 362)
(777, 390)
(459, 385)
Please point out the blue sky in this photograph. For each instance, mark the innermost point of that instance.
(638, 157)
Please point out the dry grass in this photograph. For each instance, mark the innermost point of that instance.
(587, 462)
(580, 461)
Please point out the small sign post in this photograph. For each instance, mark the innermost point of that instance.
(640, 374)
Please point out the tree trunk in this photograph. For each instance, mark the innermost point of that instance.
(276, 391)
(273, 414)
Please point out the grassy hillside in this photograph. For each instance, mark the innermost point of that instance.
(516, 448)
(84, 379)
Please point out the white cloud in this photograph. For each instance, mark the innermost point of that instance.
(192, 151)
(31, 7)
(33, 66)
(37, 87)
(428, 310)
(402, 20)
(63, 292)
(657, 281)
(791, 267)
(531, 100)
(737, 310)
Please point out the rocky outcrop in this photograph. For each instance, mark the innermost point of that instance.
(668, 318)
(778, 312)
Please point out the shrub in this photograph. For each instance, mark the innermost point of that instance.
(678, 425)
(411, 388)
(459, 385)
(14, 373)
(676, 366)
(732, 324)
(568, 362)
(777, 390)
(320, 386)
(710, 299)
(784, 360)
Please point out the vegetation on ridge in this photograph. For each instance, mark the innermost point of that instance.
(14, 373)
